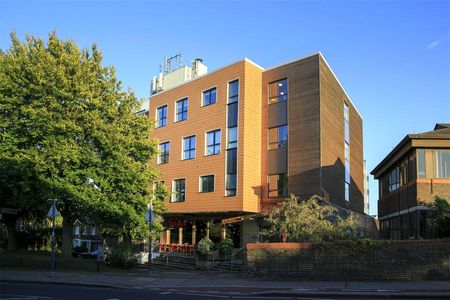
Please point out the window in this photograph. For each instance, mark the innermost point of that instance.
(213, 142)
(209, 97)
(394, 179)
(347, 191)
(442, 158)
(232, 134)
(164, 151)
(421, 163)
(182, 109)
(233, 91)
(161, 116)
(278, 91)
(278, 137)
(346, 123)
(230, 185)
(232, 138)
(278, 185)
(232, 114)
(179, 191)
(207, 184)
(189, 147)
(347, 152)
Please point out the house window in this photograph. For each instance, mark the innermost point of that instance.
(182, 109)
(164, 151)
(278, 185)
(207, 184)
(278, 137)
(178, 189)
(442, 158)
(278, 91)
(213, 142)
(161, 116)
(209, 97)
(189, 147)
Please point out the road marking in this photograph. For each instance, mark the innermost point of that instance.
(165, 293)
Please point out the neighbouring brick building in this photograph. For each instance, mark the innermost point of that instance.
(235, 142)
(410, 177)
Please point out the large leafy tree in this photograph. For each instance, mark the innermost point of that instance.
(66, 113)
(312, 220)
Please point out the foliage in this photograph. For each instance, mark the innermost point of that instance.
(440, 217)
(66, 121)
(226, 246)
(351, 246)
(3, 237)
(309, 220)
(205, 245)
(121, 256)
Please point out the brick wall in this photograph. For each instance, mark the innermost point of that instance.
(379, 260)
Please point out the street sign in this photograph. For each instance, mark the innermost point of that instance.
(53, 212)
(152, 216)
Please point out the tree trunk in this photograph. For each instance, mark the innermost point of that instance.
(12, 239)
(67, 239)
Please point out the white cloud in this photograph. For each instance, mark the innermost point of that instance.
(437, 42)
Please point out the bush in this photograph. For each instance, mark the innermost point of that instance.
(226, 246)
(121, 256)
(205, 245)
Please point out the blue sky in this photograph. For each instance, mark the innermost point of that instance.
(392, 57)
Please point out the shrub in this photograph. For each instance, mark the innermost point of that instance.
(226, 246)
(205, 245)
(121, 256)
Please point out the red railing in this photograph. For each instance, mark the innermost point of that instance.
(185, 248)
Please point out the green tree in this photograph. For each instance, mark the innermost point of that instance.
(440, 217)
(309, 220)
(67, 113)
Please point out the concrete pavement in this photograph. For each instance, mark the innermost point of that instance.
(231, 283)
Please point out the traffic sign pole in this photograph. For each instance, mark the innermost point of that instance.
(53, 209)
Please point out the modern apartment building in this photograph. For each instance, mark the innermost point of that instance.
(410, 177)
(235, 142)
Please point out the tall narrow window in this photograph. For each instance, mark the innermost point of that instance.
(421, 163)
(207, 184)
(179, 190)
(189, 147)
(161, 116)
(278, 185)
(278, 91)
(233, 91)
(347, 152)
(182, 109)
(209, 97)
(213, 142)
(164, 151)
(278, 137)
(232, 137)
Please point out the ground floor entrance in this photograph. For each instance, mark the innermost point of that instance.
(182, 230)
